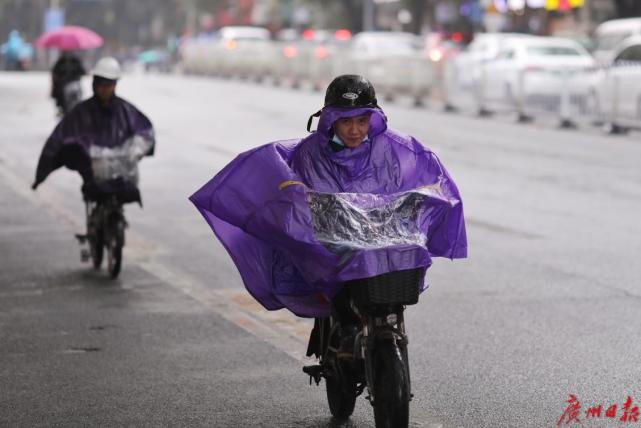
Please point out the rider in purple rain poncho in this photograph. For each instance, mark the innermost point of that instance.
(104, 121)
(352, 200)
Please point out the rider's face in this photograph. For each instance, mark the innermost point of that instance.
(105, 91)
(352, 130)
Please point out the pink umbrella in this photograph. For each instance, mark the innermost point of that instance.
(69, 38)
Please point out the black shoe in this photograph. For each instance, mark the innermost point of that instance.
(315, 373)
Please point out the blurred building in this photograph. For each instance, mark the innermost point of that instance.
(127, 24)
(544, 17)
(120, 22)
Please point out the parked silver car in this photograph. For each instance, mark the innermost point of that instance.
(610, 34)
(393, 61)
(234, 51)
(618, 89)
(308, 56)
(529, 75)
(464, 74)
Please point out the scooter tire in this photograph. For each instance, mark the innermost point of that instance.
(391, 386)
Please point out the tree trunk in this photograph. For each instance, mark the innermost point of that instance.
(354, 9)
(417, 8)
(628, 8)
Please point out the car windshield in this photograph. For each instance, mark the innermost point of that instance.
(552, 51)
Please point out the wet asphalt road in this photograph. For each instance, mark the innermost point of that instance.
(546, 305)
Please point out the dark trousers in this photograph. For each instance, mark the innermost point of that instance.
(345, 315)
(342, 309)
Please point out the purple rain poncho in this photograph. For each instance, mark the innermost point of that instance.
(299, 218)
(88, 125)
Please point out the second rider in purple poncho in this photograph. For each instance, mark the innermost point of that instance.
(352, 200)
(101, 123)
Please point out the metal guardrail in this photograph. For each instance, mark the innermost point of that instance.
(607, 95)
(408, 75)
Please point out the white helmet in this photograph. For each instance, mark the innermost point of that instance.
(108, 68)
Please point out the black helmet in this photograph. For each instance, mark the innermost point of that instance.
(350, 90)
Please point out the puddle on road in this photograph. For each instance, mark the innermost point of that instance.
(81, 350)
(102, 327)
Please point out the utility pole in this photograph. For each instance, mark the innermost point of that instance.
(191, 17)
(368, 15)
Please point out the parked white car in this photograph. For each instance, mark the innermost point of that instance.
(610, 34)
(393, 61)
(326, 58)
(308, 57)
(234, 51)
(618, 91)
(194, 54)
(464, 74)
(243, 51)
(531, 74)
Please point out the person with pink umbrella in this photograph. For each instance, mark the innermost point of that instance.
(68, 38)
(68, 69)
(65, 81)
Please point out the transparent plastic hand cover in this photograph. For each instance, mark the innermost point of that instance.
(344, 221)
(110, 163)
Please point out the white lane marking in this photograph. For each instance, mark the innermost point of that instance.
(20, 293)
(43, 198)
(281, 329)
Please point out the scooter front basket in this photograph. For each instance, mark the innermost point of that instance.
(393, 288)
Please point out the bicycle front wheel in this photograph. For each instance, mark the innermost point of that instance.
(391, 386)
(114, 258)
(115, 241)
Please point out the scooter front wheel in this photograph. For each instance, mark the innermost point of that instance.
(391, 386)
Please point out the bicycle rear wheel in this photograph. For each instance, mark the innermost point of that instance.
(391, 386)
(340, 383)
(96, 249)
(95, 235)
(341, 389)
